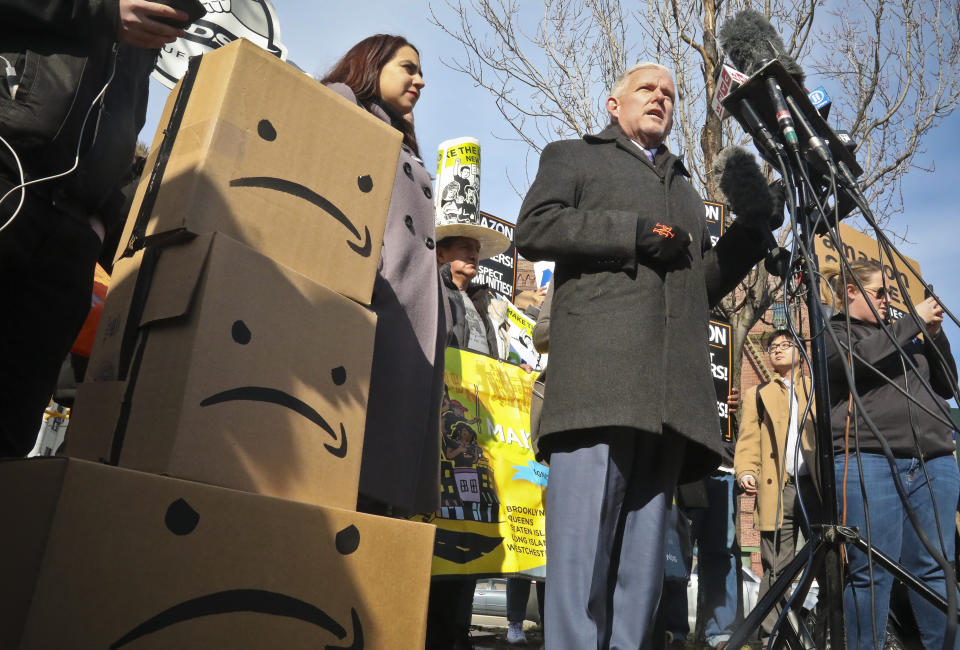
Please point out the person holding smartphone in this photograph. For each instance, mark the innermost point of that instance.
(73, 99)
(890, 366)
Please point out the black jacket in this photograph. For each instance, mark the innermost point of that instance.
(884, 404)
(458, 333)
(64, 51)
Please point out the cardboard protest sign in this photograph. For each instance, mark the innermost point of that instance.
(858, 246)
(217, 364)
(109, 558)
(251, 147)
(491, 518)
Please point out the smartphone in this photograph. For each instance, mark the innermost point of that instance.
(193, 9)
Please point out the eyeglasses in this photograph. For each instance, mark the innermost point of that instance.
(879, 293)
(777, 347)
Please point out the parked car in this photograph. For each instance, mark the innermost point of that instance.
(490, 599)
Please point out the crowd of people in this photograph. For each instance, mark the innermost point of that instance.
(629, 411)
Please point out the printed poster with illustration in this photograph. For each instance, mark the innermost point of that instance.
(458, 181)
(491, 517)
(520, 339)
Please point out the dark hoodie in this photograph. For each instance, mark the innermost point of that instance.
(885, 405)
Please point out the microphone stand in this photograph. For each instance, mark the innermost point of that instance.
(821, 552)
(821, 555)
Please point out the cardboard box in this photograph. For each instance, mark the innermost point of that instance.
(99, 557)
(252, 147)
(217, 364)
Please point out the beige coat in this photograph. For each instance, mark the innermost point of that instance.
(760, 445)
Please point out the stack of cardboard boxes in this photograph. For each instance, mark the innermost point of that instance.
(234, 351)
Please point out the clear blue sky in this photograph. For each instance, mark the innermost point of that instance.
(317, 33)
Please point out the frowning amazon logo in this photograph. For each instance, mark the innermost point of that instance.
(182, 519)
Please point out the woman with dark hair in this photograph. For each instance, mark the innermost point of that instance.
(383, 71)
(401, 447)
(890, 365)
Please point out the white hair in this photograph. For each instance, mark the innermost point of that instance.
(621, 83)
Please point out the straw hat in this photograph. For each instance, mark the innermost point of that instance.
(491, 242)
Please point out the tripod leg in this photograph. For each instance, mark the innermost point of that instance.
(778, 592)
(831, 594)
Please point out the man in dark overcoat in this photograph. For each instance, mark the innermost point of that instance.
(630, 405)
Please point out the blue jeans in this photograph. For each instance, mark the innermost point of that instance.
(892, 533)
(719, 602)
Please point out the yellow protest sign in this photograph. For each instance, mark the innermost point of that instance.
(491, 518)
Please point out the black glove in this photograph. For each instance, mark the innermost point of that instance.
(661, 242)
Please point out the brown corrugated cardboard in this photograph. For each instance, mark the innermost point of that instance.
(252, 147)
(111, 558)
(223, 366)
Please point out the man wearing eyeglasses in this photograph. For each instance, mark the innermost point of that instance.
(774, 457)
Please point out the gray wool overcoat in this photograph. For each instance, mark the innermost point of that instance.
(628, 336)
(401, 445)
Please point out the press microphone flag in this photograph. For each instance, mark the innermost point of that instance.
(820, 100)
(727, 81)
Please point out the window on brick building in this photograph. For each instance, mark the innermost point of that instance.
(779, 316)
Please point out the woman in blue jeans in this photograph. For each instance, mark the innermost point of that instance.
(917, 432)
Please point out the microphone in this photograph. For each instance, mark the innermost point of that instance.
(750, 198)
(822, 151)
(754, 46)
(728, 81)
(751, 42)
(815, 143)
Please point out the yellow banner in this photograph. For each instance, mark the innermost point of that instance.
(491, 518)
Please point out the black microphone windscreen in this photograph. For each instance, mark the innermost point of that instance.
(750, 41)
(744, 185)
